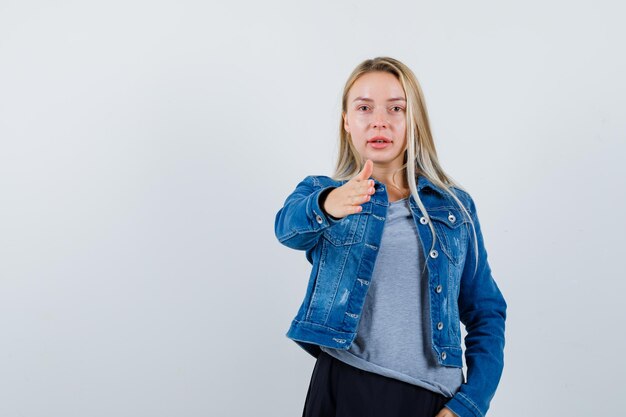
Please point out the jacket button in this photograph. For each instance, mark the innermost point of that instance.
(434, 253)
(319, 219)
(438, 289)
(443, 355)
(423, 220)
(451, 218)
(439, 326)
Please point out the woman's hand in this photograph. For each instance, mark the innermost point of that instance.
(445, 412)
(348, 198)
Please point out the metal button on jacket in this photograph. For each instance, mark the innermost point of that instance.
(438, 289)
(423, 220)
(443, 355)
(451, 218)
(439, 326)
(319, 219)
(434, 253)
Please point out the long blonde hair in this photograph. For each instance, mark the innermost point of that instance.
(420, 144)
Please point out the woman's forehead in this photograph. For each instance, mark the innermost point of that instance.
(376, 86)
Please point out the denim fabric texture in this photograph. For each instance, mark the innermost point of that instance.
(343, 252)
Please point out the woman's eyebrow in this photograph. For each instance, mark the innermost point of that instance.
(369, 99)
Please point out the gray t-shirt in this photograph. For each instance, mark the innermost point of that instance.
(393, 337)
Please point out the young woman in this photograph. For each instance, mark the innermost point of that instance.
(398, 262)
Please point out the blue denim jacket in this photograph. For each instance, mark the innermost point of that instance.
(343, 252)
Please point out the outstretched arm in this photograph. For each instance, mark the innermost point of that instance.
(301, 220)
(306, 213)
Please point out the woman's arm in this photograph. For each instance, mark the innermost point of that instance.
(482, 310)
(301, 221)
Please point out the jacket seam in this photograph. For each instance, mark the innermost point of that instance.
(471, 403)
(295, 232)
(311, 323)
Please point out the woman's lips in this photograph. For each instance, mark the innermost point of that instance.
(379, 142)
(379, 145)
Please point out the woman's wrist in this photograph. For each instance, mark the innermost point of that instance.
(322, 200)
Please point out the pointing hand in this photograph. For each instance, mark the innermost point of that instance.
(348, 198)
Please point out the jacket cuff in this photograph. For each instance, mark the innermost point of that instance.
(462, 406)
(319, 213)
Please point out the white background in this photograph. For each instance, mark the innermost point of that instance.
(146, 146)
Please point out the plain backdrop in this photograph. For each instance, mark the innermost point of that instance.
(146, 146)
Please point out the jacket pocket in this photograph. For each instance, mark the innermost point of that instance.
(350, 229)
(452, 232)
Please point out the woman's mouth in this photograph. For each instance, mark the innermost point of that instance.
(379, 142)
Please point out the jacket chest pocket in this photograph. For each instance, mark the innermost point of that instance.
(452, 232)
(350, 229)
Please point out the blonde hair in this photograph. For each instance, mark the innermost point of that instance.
(420, 144)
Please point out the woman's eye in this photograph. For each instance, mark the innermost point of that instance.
(362, 107)
(396, 107)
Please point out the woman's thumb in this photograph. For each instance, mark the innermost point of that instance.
(367, 170)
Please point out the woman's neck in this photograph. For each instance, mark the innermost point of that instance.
(390, 178)
(397, 186)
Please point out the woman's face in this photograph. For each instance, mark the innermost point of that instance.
(376, 111)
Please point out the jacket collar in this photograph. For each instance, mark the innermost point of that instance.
(422, 182)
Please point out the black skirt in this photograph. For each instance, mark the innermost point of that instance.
(341, 390)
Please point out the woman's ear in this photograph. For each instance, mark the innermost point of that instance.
(345, 122)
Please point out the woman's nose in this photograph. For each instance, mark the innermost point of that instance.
(379, 119)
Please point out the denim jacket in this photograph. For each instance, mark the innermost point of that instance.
(343, 252)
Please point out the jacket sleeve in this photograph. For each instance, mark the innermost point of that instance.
(301, 221)
(482, 309)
